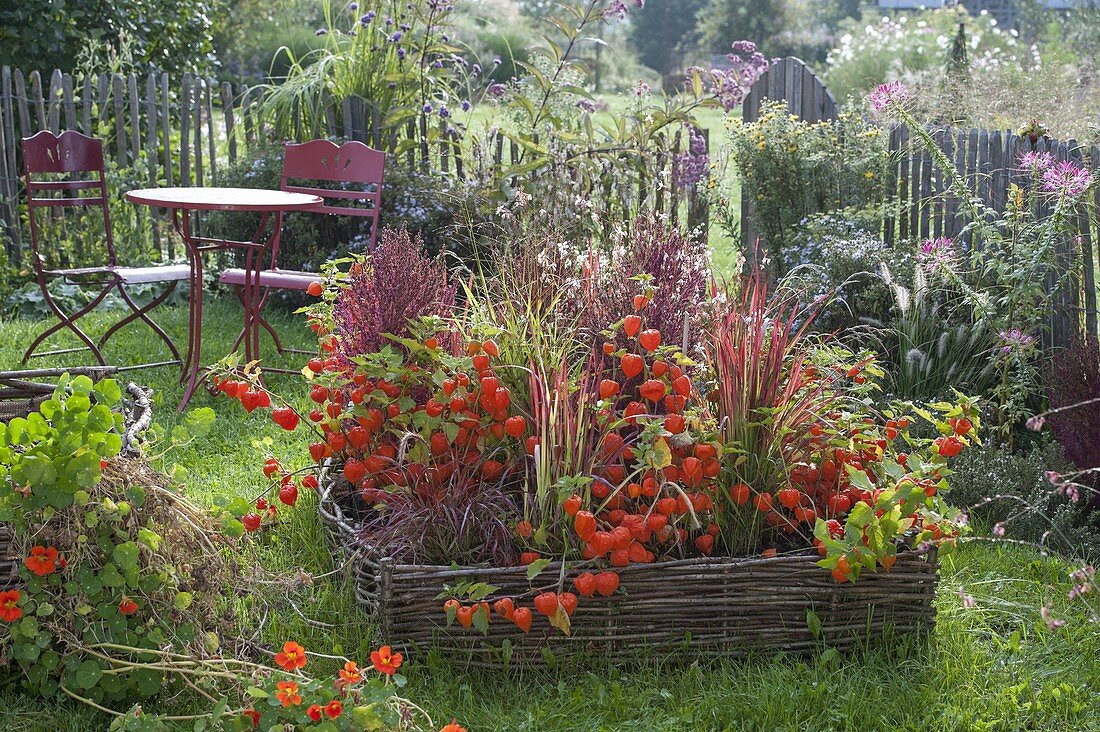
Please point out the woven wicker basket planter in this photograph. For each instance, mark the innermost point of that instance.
(726, 606)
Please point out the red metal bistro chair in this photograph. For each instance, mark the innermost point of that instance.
(53, 165)
(358, 167)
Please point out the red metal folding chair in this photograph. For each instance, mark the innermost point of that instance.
(358, 169)
(53, 166)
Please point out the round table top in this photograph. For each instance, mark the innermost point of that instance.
(200, 198)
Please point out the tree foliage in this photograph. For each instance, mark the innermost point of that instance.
(660, 30)
(172, 35)
(721, 22)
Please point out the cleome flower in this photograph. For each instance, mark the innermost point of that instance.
(1035, 163)
(937, 253)
(890, 93)
(292, 657)
(1066, 179)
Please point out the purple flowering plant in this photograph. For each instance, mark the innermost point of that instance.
(1010, 282)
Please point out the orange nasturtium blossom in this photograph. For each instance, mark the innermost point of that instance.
(386, 661)
(350, 673)
(288, 693)
(42, 561)
(334, 708)
(453, 727)
(127, 606)
(292, 657)
(9, 606)
(314, 712)
(253, 715)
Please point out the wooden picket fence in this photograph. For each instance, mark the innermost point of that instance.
(180, 133)
(987, 160)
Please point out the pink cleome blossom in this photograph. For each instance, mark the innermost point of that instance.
(1035, 163)
(937, 253)
(892, 92)
(1067, 179)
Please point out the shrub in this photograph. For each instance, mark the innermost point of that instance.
(1010, 494)
(837, 258)
(999, 81)
(1073, 387)
(792, 169)
(585, 287)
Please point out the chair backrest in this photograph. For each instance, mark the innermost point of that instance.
(351, 163)
(52, 165)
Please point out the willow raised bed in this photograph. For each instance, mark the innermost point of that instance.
(724, 606)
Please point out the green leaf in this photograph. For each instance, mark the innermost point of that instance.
(257, 693)
(107, 392)
(87, 675)
(125, 556)
(198, 422)
(813, 622)
(536, 566)
(481, 620)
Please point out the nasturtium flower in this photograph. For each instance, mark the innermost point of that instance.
(454, 726)
(350, 673)
(314, 712)
(253, 716)
(9, 606)
(386, 661)
(127, 606)
(292, 657)
(288, 693)
(42, 560)
(334, 709)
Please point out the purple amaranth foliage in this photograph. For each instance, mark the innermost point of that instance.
(730, 85)
(679, 270)
(393, 284)
(1066, 179)
(890, 93)
(1074, 380)
(1035, 163)
(688, 168)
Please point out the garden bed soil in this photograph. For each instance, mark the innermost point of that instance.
(718, 605)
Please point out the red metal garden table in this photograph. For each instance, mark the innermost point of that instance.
(270, 205)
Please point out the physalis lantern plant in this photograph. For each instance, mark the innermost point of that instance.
(454, 450)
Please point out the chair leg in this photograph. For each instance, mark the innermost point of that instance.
(260, 320)
(65, 321)
(142, 313)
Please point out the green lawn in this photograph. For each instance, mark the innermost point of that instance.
(992, 667)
